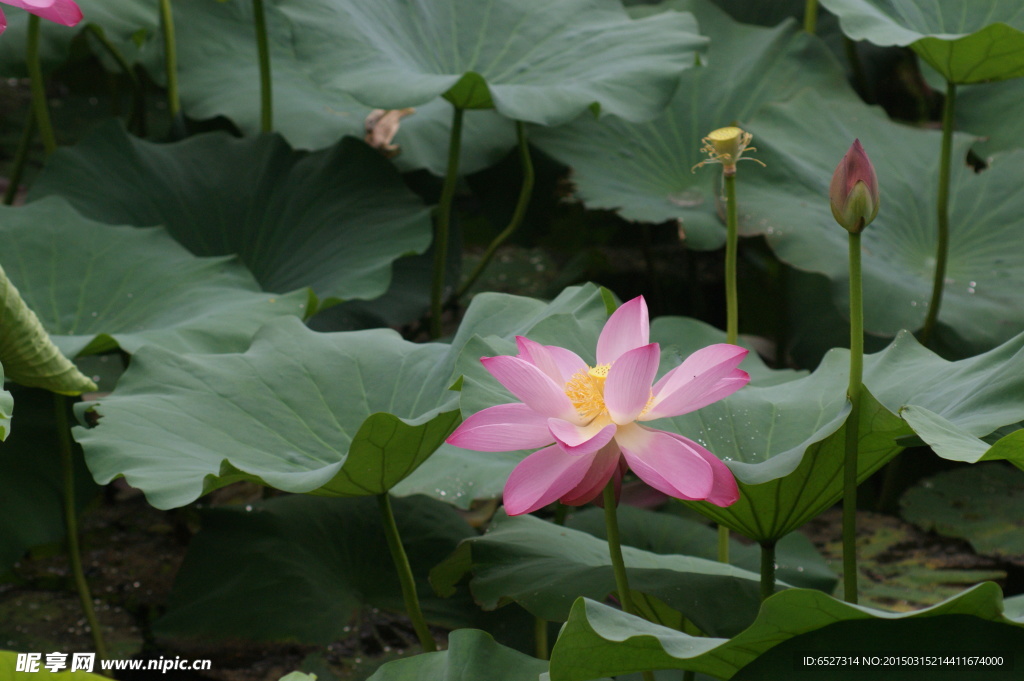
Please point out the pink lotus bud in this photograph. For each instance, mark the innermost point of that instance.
(854, 190)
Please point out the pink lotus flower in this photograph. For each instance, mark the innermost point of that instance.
(63, 12)
(588, 419)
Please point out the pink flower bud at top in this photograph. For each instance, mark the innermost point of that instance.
(854, 190)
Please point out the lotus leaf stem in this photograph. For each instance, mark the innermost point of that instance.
(263, 50)
(767, 569)
(170, 57)
(443, 226)
(811, 16)
(71, 523)
(942, 211)
(517, 215)
(401, 560)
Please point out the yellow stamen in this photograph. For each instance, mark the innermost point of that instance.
(585, 389)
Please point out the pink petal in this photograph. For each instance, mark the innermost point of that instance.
(664, 463)
(704, 377)
(532, 386)
(577, 440)
(502, 428)
(543, 477)
(63, 12)
(605, 467)
(628, 386)
(558, 363)
(724, 491)
(3, 22)
(626, 329)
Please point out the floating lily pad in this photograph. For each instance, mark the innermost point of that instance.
(471, 654)
(787, 202)
(644, 170)
(333, 220)
(98, 287)
(601, 640)
(544, 567)
(964, 40)
(313, 565)
(344, 414)
(982, 504)
(532, 60)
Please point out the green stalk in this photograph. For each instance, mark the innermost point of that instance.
(517, 215)
(767, 569)
(732, 313)
(401, 560)
(138, 102)
(263, 49)
(853, 424)
(444, 218)
(170, 57)
(540, 638)
(611, 522)
(943, 214)
(71, 522)
(811, 16)
(20, 159)
(40, 111)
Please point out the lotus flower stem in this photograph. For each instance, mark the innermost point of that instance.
(401, 560)
(767, 569)
(732, 314)
(444, 218)
(20, 159)
(611, 523)
(263, 49)
(170, 57)
(71, 523)
(942, 210)
(853, 424)
(40, 112)
(517, 216)
(811, 16)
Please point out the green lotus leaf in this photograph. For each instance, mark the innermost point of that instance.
(600, 640)
(980, 504)
(313, 564)
(986, 110)
(298, 676)
(29, 356)
(98, 287)
(532, 60)
(544, 567)
(471, 654)
(342, 414)
(797, 561)
(965, 41)
(787, 203)
(333, 220)
(218, 76)
(31, 486)
(644, 170)
(952, 405)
